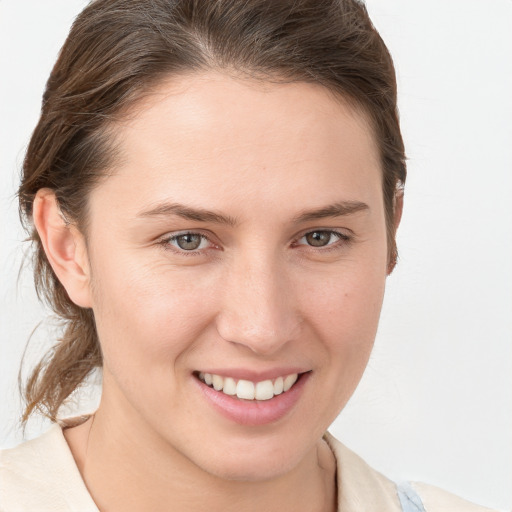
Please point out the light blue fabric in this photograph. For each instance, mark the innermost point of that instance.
(409, 498)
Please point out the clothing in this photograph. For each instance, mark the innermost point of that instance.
(409, 498)
(41, 476)
(362, 489)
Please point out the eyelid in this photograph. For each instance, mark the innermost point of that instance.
(165, 240)
(342, 235)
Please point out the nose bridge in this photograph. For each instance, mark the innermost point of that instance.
(258, 309)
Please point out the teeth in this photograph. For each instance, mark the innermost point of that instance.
(278, 386)
(218, 382)
(247, 390)
(264, 390)
(289, 381)
(229, 386)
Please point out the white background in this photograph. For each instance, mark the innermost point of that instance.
(435, 403)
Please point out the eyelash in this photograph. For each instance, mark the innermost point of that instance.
(341, 237)
(166, 243)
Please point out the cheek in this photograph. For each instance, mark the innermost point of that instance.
(347, 306)
(344, 316)
(147, 317)
(340, 316)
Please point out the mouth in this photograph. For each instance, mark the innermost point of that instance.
(249, 390)
(264, 400)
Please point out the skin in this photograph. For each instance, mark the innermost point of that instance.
(255, 295)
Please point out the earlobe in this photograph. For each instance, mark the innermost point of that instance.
(64, 246)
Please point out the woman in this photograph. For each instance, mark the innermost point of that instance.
(215, 189)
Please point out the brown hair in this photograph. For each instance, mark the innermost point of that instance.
(117, 50)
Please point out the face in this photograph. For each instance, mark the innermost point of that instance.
(240, 241)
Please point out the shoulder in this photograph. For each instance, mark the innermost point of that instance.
(439, 500)
(41, 475)
(360, 487)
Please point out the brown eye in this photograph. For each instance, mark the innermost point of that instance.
(188, 241)
(319, 238)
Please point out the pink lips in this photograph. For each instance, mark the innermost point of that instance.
(254, 412)
(255, 376)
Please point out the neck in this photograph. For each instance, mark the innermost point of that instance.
(126, 469)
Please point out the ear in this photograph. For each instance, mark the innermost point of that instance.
(399, 207)
(64, 246)
(397, 212)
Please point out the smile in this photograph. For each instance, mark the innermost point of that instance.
(247, 390)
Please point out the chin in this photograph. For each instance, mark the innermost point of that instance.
(251, 469)
(254, 461)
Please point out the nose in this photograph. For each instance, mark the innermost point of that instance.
(258, 307)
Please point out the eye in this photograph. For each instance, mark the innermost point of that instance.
(321, 238)
(188, 241)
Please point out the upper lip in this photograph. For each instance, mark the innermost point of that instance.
(255, 375)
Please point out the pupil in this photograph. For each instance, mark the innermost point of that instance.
(189, 242)
(318, 238)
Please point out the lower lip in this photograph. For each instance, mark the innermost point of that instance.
(254, 412)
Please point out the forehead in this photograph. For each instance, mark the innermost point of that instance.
(210, 136)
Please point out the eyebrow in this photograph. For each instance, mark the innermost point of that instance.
(189, 213)
(338, 209)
